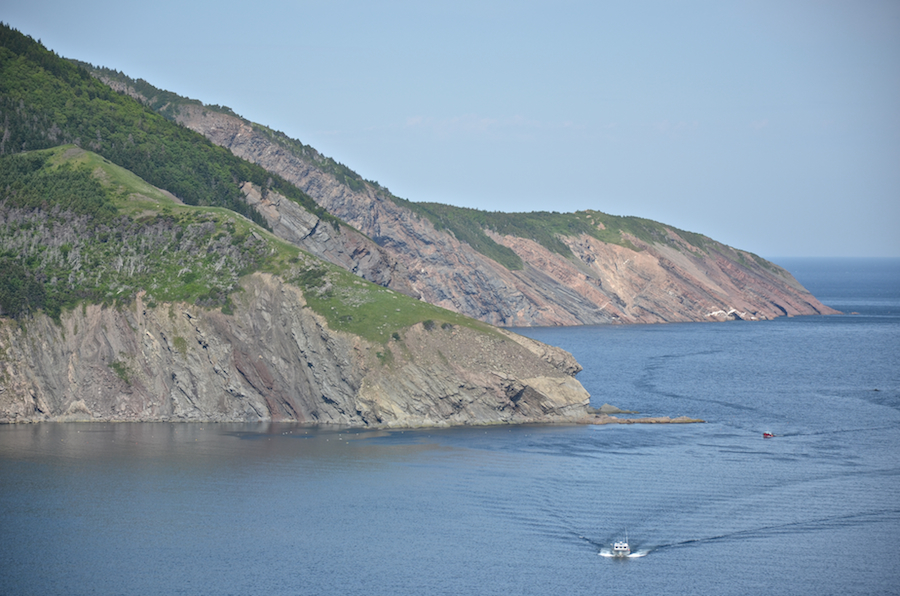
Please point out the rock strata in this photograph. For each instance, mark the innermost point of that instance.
(603, 283)
(274, 359)
(339, 244)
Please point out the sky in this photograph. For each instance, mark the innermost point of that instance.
(771, 126)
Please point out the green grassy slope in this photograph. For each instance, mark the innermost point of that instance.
(76, 228)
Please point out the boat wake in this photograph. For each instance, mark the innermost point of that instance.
(604, 551)
(635, 555)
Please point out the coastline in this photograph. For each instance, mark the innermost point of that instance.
(599, 419)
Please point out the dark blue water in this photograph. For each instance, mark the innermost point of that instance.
(275, 509)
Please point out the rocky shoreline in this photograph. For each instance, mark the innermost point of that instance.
(607, 419)
(275, 360)
(598, 419)
(604, 415)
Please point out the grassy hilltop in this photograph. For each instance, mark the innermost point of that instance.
(75, 228)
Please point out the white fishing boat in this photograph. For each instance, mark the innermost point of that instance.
(621, 548)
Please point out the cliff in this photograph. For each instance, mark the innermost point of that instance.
(667, 278)
(510, 269)
(338, 244)
(118, 302)
(273, 359)
(506, 269)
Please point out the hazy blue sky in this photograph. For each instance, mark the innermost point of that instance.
(770, 126)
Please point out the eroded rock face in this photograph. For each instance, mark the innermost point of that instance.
(336, 244)
(605, 283)
(274, 359)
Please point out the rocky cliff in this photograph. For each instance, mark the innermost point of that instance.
(336, 244)
(637, 281)
(274, 359)
(669, 276)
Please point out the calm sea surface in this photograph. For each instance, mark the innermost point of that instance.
(279, 509)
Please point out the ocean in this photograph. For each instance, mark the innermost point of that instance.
(712, 508)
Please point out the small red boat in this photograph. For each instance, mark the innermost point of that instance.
(768, 435)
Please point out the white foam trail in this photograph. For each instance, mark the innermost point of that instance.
(638, 554)
(606, 553)
(635, 555)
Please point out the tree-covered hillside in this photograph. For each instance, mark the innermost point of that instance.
(545, 228)
(76, 229)
(46, 101)
(73, 228)
(169, 104)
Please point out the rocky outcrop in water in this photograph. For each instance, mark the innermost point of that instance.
(603, 283)
(274, 359)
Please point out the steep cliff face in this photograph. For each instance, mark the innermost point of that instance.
(604, 282)
(274, 359)
(336, 244)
